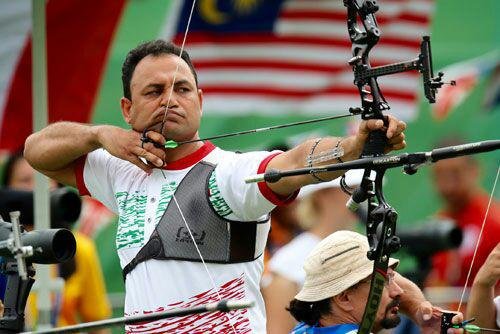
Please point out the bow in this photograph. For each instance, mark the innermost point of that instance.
(380, 214)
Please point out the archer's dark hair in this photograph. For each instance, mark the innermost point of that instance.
(154, 48)
(309, 313)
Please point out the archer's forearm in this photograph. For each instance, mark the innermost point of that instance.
(58, 145)
(300, 156)
(481, 306)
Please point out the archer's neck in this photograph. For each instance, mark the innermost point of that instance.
(182, 151)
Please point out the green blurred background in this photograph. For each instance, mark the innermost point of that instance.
(460, 30)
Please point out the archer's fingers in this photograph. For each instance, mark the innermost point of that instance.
(457, 318)
(139, 163)
(156, 137)
(395, 143)
(152, 153)
(369, 125)
(395, 127)
(150, 156)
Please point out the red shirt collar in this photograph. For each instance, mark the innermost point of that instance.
(192, 158)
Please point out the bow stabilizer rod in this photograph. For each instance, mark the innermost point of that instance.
(222, 306)
(409, 161)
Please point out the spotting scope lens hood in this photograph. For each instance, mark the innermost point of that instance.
(433, 237)
(65, 206)
(49, 246)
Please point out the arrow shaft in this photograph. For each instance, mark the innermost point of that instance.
(281, 126)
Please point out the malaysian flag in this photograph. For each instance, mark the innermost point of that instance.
(276, 57)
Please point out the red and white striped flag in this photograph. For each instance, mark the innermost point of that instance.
(253, 56)
(275, 57)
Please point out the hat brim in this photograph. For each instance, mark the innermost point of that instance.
(316, 292)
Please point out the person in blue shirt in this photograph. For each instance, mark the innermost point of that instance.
(334, 294)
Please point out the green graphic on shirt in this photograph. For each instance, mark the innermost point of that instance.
(132, 209)
(167, 191)
(219, 204)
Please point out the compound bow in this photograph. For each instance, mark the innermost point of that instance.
(380, 213)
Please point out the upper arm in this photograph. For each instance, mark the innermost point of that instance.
(65, 176)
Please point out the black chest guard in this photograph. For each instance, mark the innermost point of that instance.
(219, 240)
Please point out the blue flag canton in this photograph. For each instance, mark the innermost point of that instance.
(230, 16)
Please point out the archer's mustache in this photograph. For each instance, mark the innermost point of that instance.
(394, 303)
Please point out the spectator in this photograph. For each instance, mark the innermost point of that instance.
(457, 182)
(321, 211)
(335, 292)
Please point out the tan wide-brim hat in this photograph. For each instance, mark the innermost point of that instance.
(338, 262)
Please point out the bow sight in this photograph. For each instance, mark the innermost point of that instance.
(365, 76)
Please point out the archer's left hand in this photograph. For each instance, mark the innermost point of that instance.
(429, 319)
(394, 132)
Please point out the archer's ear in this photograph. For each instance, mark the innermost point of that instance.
(200, 97)
(344, 301)
(126, 105)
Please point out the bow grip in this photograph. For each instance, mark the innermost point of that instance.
(375, 144)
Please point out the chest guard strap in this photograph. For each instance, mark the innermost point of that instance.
(219, 240)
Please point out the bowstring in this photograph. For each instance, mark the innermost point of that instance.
(478, 240)
(216, 289)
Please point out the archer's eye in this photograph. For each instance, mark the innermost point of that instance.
(153, 93)
(183, 89)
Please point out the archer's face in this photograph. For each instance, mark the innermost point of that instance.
(387, 315)
(151, 91)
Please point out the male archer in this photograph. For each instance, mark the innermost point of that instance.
(335, 291)
(190, 231)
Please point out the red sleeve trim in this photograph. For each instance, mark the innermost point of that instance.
(80, 183)
(270, 195)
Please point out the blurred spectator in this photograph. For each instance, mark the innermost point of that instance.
(321, 211)
(284, 227)
(84, 296)
(19, 175)
(484, 299)
(457, 182)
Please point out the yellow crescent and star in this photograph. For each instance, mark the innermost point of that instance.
(209, 10)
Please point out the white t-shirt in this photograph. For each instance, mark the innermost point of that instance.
(289, 259)
(158, 285)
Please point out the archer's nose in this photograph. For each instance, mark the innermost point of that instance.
(394, 289)
(169, 100)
